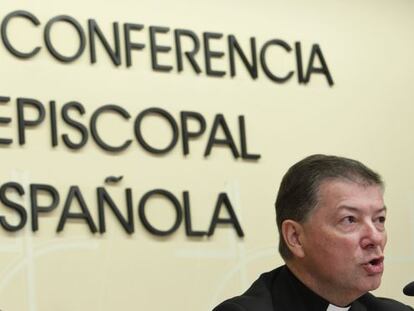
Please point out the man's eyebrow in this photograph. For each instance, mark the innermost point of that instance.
(357, 210)
(349, 208)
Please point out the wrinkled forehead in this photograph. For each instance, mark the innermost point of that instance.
(336, 192)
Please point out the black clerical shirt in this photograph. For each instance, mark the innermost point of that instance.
(280, 290)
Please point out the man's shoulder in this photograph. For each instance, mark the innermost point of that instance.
(382, 304)
(257, 297)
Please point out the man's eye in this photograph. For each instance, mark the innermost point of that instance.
(349, 219)
(381, 219)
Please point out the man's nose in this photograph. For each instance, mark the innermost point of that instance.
(372, 236)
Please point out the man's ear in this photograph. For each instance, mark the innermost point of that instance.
(293, 234)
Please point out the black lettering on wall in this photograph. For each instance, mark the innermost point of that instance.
(243, 141)
(76, 194)
(267, 71)
(168, 118)
(23, 14)
(187, 212)
(94, 30)
(178, 33)
(94, 131)
(74, 124)
(129, 46)
(186, 42)
(209, 54)
(71, 21)
(220, 122)
(22, 122)
(224, 202)
(21, 212)
(36, 208)
(234, 46)
(104, 197)
(5, 120)
(316, 53)
(175, 203)
(186, 133)
(53, 123)
(155, 49)
(299, 63)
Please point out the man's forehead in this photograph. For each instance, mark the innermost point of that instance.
(349, 194)
(345, 184)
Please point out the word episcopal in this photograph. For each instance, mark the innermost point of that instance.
(72, 115)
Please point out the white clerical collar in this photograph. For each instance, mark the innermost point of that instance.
(336, 308)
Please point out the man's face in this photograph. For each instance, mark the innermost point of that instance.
(344, 238)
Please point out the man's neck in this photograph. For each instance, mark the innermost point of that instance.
(330, 294)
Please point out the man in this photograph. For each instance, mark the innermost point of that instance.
(330, 215)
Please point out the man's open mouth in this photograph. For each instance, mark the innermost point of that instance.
(376, 261)
(374, 266)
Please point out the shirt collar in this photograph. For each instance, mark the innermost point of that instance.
(336, 308)
(311, 300)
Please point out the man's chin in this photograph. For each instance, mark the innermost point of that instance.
(373, 283)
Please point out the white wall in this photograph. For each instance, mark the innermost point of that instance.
(367, 115)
